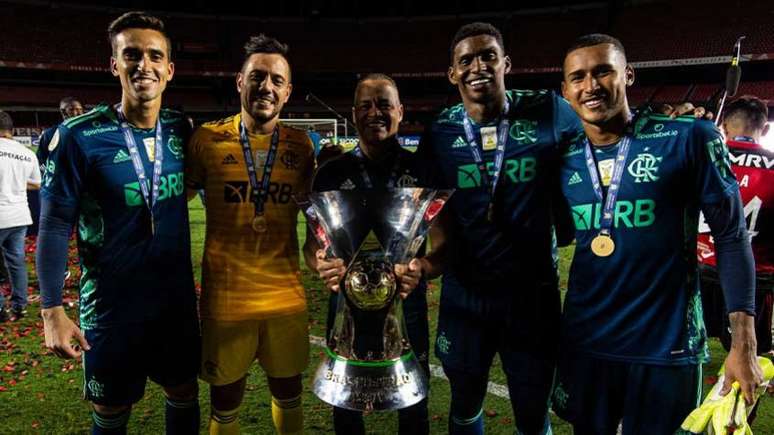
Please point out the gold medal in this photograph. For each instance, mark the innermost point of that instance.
(602, 245)
(259, 224)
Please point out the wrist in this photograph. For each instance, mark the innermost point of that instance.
(742, 332)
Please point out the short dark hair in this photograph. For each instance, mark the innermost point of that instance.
(265, 44)
(475, 29)
(6, 123)
(593, 39)
(137, 20)
(375, 76)
(66, 101)
(750, 109)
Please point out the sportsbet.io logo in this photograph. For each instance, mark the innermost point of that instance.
(171, 185)
(516, 170)
(48, 173)
(628, 214)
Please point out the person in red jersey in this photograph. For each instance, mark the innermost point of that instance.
(744, 123)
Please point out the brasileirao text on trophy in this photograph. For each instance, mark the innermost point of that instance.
(369, 363)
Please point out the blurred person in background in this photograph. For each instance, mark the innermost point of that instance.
(19, 172)
(744, 123)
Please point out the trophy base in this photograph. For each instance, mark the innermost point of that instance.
(370, 385)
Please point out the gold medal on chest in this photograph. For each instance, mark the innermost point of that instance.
(602, 245)
(259, 224)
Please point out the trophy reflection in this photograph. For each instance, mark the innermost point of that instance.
(369, 363)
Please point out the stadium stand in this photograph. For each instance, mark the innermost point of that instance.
(65, 45)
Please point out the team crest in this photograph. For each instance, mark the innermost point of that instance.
(175, 146)
(211, 368)
(290, 159)
(54, 141)
(560, 396)
(444, 345)
(406, 180)
(95, 388)
(644, 168)
(524, 131)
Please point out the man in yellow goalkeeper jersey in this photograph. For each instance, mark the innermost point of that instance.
(253, 305)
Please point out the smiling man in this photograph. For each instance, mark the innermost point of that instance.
(633, 335)
(500, 150)
(377, 163)
(118, 171)
(253, 305)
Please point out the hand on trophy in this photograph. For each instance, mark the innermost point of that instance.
(331, 270)
(408, 276)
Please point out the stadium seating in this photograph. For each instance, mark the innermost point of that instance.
(72, 38)
(650, 31)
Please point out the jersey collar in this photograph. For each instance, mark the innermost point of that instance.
(743, 144)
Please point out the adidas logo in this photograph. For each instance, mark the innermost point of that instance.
(459, 143)
(347, 185)
(121, 156)
(229, 160)
(575, 179)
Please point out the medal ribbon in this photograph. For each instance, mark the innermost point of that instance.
(606, 222)
(158, 158)
(391, 182)
(502, 136)
(260, 189)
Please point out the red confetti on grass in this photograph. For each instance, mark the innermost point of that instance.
(710, 380)
(491, 413)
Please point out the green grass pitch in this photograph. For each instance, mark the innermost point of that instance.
(40, 393)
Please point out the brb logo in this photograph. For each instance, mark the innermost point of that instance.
(516, 170)
(644, 168)
(638, 214)
(171, 186)
(235, 192)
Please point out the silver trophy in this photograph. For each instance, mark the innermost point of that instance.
(369, 363)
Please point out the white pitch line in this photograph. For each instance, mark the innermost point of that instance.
(435, 371)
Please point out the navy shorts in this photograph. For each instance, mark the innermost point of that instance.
(474, 324)
(595, 395)
(123, 357)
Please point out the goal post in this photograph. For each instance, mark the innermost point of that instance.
(322, 131)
